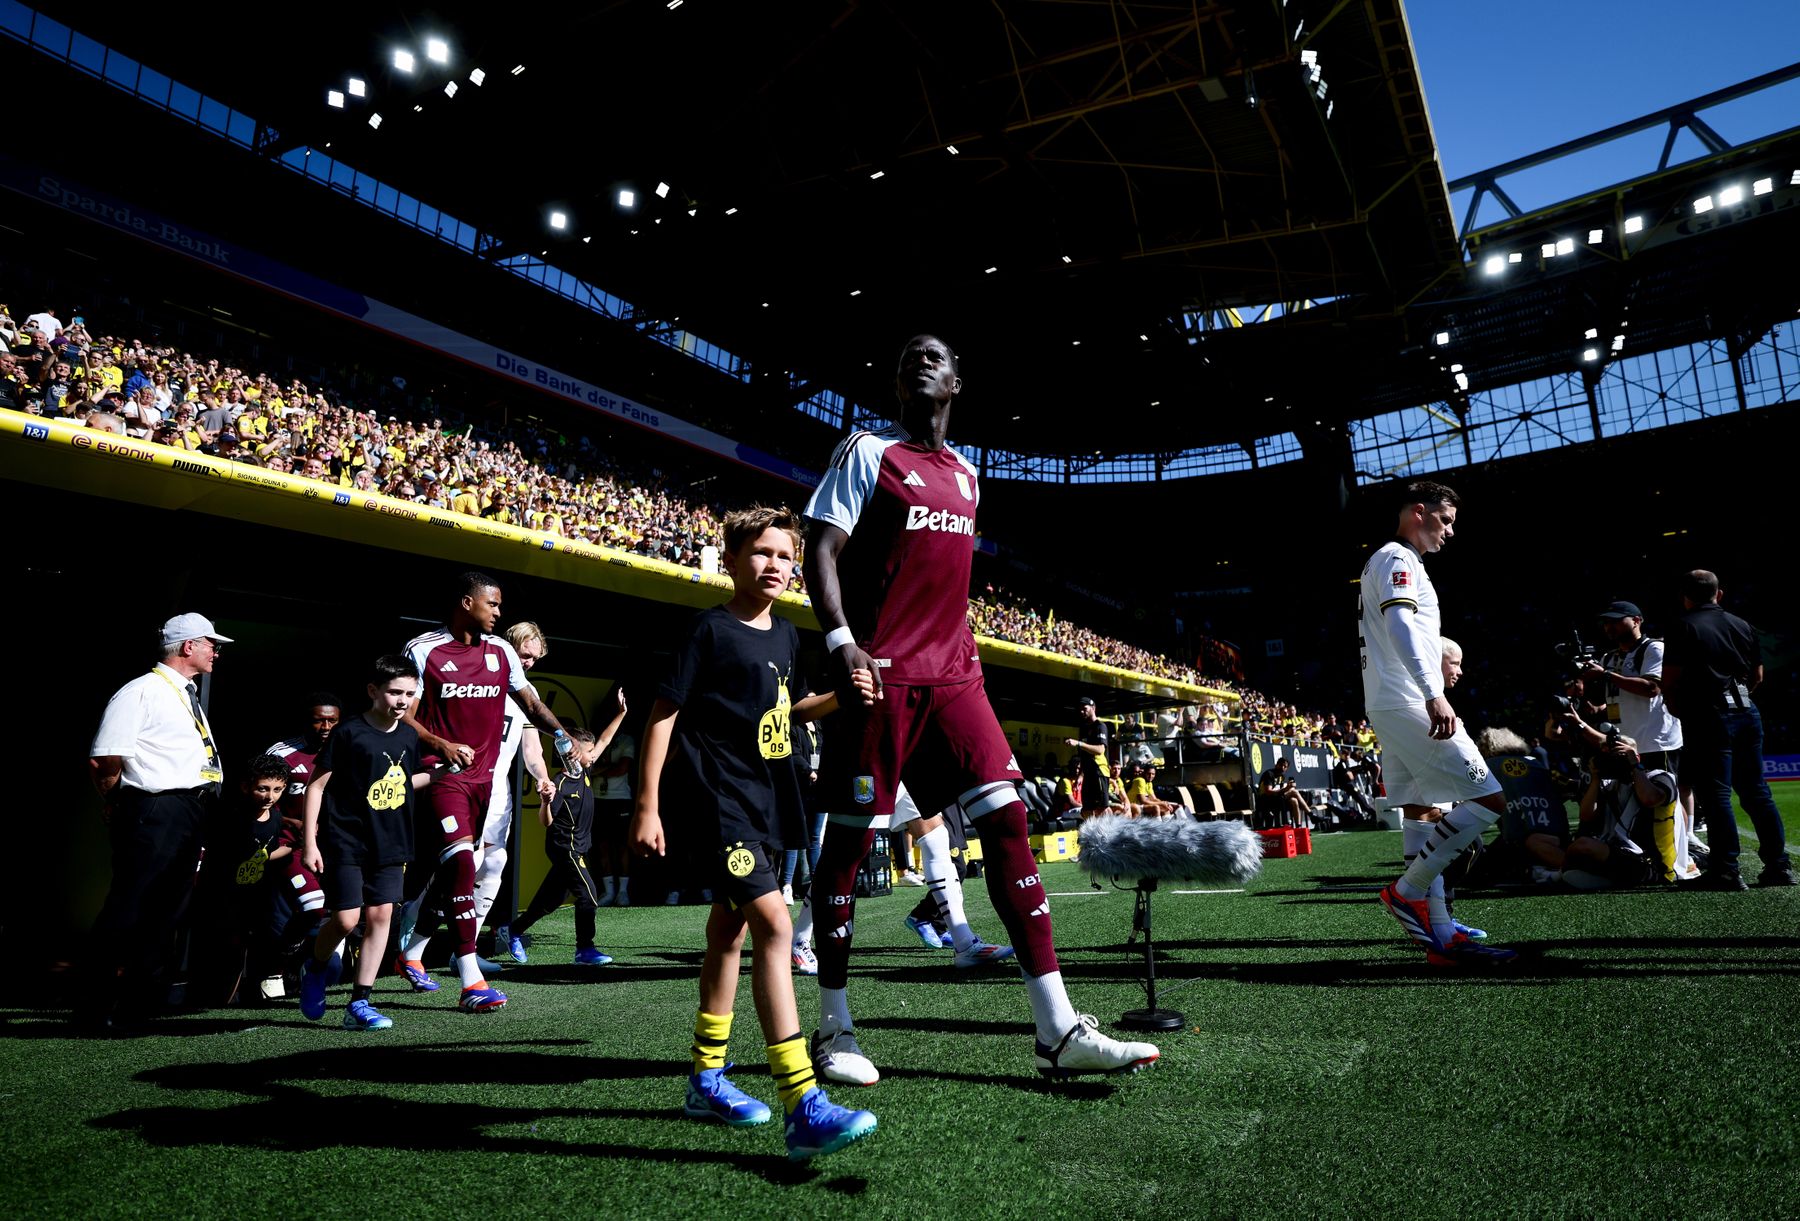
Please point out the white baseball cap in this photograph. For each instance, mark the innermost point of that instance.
(190, 627)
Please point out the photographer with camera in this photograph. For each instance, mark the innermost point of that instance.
(1629, 677)
(1627, 833)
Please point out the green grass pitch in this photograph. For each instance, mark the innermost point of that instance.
(1641, 1060)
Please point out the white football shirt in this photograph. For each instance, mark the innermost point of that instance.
(1395, 577)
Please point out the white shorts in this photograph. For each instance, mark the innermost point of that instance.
(497, 827)
(905, 810)
(1420, 770)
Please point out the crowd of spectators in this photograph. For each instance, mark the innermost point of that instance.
(427, 453)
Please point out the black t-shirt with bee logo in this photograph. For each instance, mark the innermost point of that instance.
(730, 775)
(368, 814)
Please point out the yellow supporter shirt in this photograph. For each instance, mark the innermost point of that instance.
(466, 502)
(1140, 791)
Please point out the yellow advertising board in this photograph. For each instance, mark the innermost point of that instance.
(59, 453)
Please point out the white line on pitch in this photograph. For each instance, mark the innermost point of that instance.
(1238, 891)
(1072, 894)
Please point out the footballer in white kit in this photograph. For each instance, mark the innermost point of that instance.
(1427, 755)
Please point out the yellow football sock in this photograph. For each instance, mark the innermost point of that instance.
(790, 1064)
(711, 1032)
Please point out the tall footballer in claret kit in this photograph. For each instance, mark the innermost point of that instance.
(1427, 756)
(890, 543)
(466, 673)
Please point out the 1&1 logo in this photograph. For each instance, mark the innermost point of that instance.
(37, 432)
(343, 498)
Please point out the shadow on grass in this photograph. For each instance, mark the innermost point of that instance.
(281, 1114)
(1589, 959)
(948, 1026)
(295, 1120)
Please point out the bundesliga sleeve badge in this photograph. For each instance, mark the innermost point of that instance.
(1401, 578)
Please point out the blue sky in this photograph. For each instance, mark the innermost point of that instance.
(1504, 80)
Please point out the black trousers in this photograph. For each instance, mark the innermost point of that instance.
(156, 840)
(568, 876)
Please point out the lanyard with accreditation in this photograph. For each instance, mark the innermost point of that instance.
(209, 771)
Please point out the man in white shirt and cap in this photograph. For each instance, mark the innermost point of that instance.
(157, 768)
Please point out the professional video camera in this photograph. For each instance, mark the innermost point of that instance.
(1577, 652)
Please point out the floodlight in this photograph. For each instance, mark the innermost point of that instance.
(417, 109)
(1443, 339)
(1634, 224)
(674, 4)
(1596, 236)
(951, 149)
(449, 89)
(559, 220)
(357, 87)
(1762, 186)
(1462, 381)
(877, 174)
(990, 271)
(1548, 250)
(1075, 342)
(662, 190)
(1067, 259)
(1143, 339)
(1703, 204)
(374, 121)
(1566, 246)
(476, 77)
(334, 98)
(518, 69)
(856, 292)
(1516, 256)
(1618, 342)
(1592, 333)
(1795, 180)
(403, 60)
(1494, 265)
(731, 211)
(437, 50)
(1731, 196)
(1590, 354)
(1456, 368)
(586, 240)
(627, 197)
(693, 211)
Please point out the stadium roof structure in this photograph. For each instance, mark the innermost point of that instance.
(1148, 228)
(1067, 192)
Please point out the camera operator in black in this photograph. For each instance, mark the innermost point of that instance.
(1714, 663)
(1091, 750)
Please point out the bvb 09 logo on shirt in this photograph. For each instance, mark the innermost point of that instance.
(773, 731)
(389, 792)
(740, 861)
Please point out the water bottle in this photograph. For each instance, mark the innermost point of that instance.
(566, 755)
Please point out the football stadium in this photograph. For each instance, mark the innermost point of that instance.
(675, 609)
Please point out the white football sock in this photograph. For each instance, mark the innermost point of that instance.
(1050, 1007)
(803, 925)
(415, 949)
(490, 871)
(1441, 926)
(940, 875)
(1413, 834)
(469, 968)
(1453, 833)
(834, 1010)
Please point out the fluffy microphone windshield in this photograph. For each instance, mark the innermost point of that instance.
(1171, 849)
